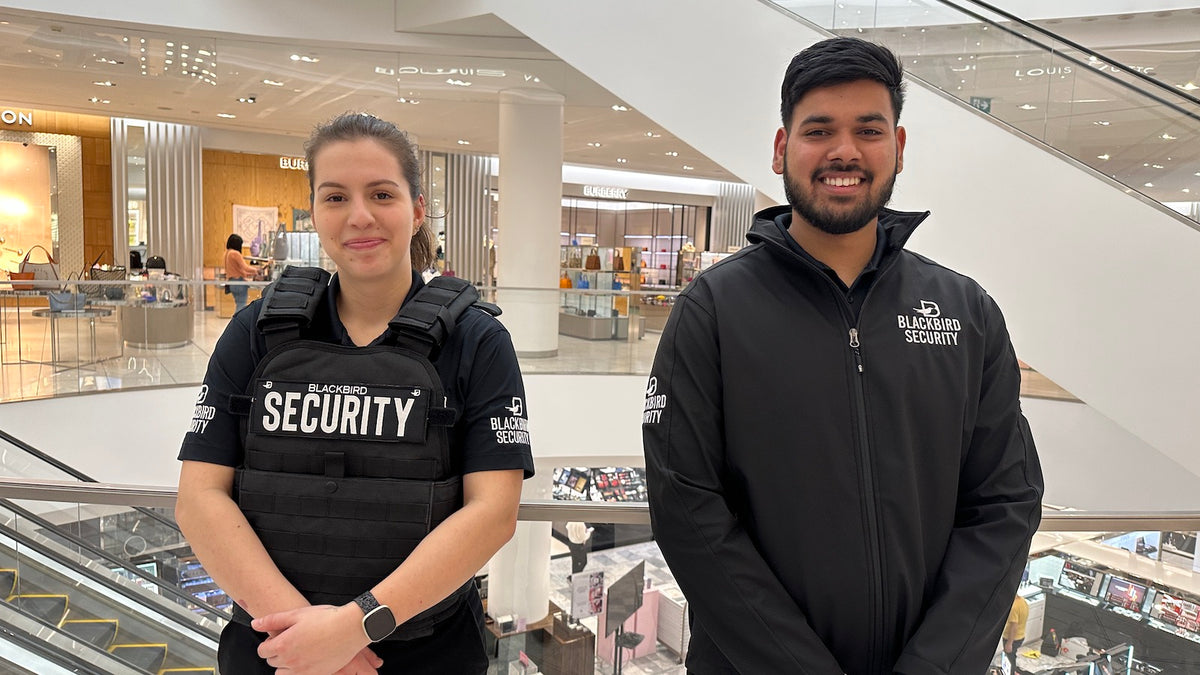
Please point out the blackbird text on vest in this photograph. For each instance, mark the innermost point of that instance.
(339, 410)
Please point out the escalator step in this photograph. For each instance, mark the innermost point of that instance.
(149, 657)
(51, 608)
(99, 632)
(8, 581)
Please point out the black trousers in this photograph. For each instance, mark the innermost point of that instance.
(456, 647)
(1012, 656)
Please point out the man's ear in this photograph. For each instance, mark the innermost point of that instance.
(781, 139)
(901, 137)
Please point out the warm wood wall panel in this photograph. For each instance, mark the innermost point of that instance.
(251, 180)
(97, 170)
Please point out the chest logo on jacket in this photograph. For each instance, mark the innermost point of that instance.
(927, 326)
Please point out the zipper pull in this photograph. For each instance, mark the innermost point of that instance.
(854, 344)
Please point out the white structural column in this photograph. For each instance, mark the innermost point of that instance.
(530, 218)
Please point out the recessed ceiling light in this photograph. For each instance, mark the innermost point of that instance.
(1105, 157)
(462, 142)
(1027, 107)
(204, 52)
(671, 153)
(303, 58)
(99, 100)
(1157, 166)
(1149, 184)
(1167, 137)
(620, 108)
(1102, 123)
(248, 99)
(621, 160)
(111, 62)
(1186, 190)
(104, 83)
(651, 134)
(227, 116)
(407, 100)
(273, 83)
(593, 145)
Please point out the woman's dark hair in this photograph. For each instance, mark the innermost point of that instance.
(838, 61)
(234, 242)
(353, 126)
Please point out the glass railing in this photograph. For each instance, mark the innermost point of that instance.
(1120, 590)
(1115, 118)
(123, 338)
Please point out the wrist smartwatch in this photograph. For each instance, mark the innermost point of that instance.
(378, 621)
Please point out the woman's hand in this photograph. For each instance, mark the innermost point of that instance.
(317, 640)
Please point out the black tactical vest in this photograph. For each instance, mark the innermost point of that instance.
(347, 457)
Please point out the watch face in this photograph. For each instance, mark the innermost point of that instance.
(379, 623)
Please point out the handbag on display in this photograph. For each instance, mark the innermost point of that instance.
(44, 271)
(593, 261)
(67, 300)
(21, 276)
(618, 262)
(279, 248)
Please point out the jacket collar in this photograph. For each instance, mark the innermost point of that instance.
(898, 226)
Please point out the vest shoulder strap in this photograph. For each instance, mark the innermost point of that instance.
(424, 323)
(290, 303)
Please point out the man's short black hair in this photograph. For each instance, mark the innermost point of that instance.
(837, 61)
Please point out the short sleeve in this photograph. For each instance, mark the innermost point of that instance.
(214, 434)
(494, 426)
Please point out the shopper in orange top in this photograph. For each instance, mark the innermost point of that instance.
(237, 269)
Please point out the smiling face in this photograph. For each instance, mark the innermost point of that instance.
(840, 158)
(363, 210)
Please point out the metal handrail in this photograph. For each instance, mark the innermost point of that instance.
(627, 513)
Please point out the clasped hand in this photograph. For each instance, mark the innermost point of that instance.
(317, 640)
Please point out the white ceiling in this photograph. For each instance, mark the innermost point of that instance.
(52, 62)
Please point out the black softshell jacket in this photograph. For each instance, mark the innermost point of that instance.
(837, 496)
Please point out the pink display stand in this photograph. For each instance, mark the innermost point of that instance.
(644, 621)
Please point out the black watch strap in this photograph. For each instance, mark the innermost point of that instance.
(378, 621)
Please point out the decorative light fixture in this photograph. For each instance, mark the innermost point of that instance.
(1102, 123)
(98, 100)
(463, 142)
(671, 153)
(593, 145)
(1149, 184)
(622, 160)
(1167, 137)
(104, 83)
(248, 99)
(227, 116)
(273, 83)
(303, 58)
(413, 101)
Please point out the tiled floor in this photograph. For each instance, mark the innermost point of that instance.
(27, 371)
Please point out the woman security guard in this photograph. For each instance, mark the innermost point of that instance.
(312, 442)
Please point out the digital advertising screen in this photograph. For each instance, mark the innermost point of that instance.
(1126, 594)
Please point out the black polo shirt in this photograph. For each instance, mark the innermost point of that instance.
(856, 292)
(482, 381)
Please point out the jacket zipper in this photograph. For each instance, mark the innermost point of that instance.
(864, 451)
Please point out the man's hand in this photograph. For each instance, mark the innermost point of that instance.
(317, 641)
(1008, 646)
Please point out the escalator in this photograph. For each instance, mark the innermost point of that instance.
(97, 588)
(1138, 125)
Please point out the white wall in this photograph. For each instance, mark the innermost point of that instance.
(132, 437)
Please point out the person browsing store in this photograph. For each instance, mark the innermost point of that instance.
(839, 473)
(237, 269)
(342, 479)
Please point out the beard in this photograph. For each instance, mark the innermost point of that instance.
(835, 220)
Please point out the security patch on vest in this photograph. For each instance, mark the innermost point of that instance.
(340, 411)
